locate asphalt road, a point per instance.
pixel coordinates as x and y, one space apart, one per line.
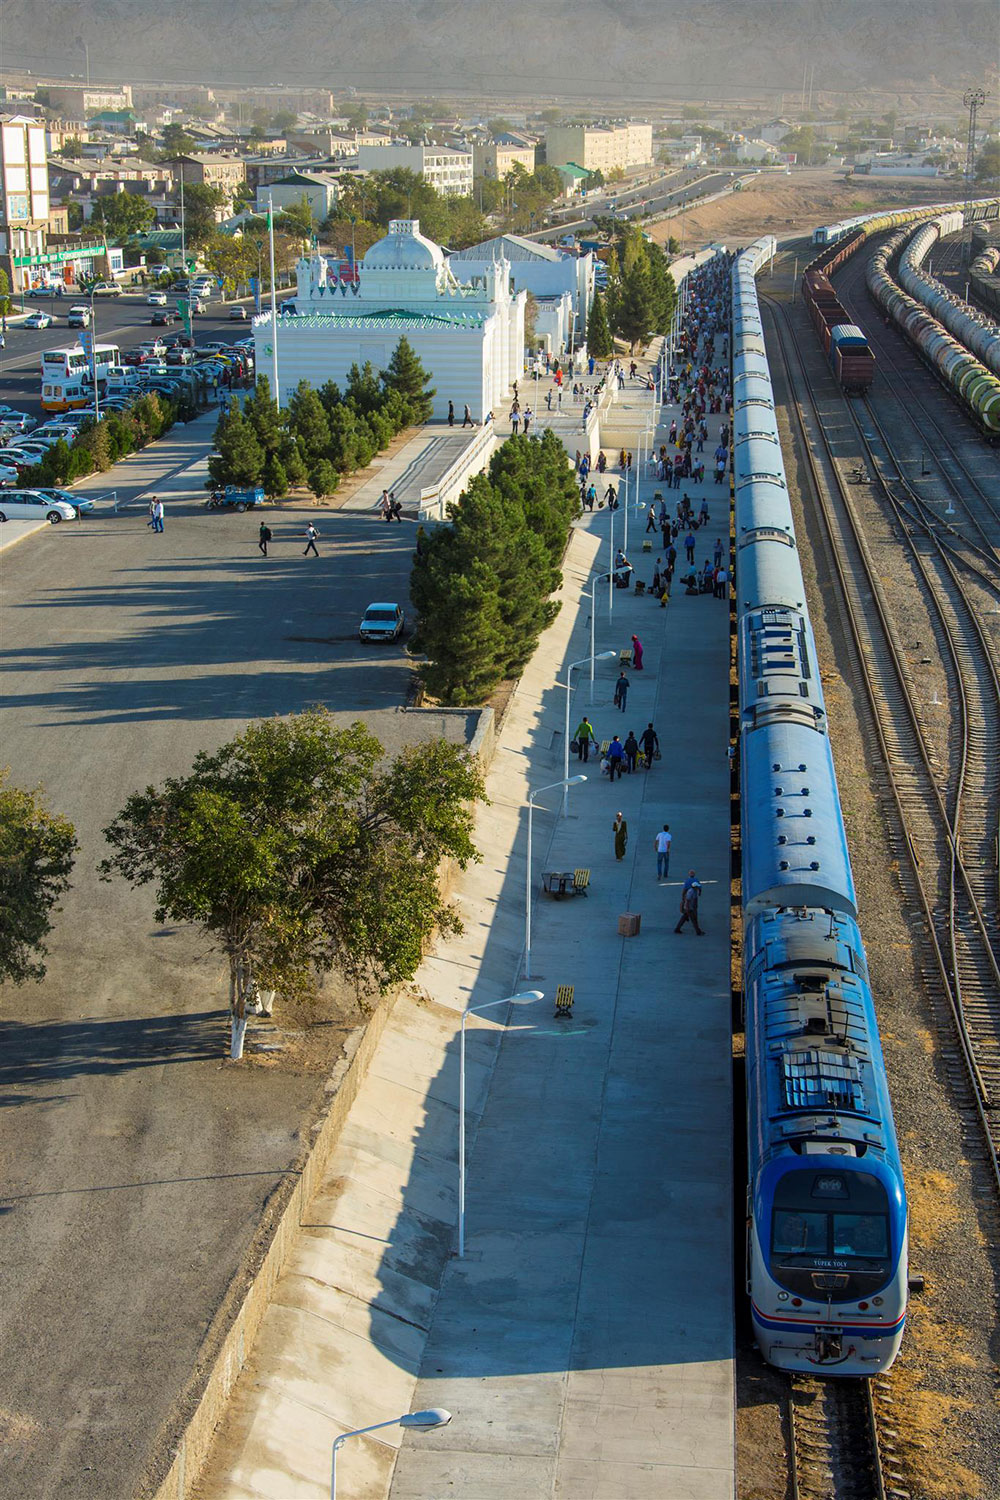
135 1163
124 321
641 202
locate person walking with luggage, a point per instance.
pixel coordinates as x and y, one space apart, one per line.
621 692
263 537
616 758
585 737
312 534
690 895
631 748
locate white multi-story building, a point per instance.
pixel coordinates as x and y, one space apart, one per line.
600 148
447 170
469 338
24 195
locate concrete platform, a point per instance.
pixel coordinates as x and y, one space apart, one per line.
584 1345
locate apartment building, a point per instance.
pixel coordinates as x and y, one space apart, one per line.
24 194
499 156
204 167
600 148
447 170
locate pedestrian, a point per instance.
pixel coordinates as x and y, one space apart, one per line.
385 506
616 757
621 691
467 418
690 894
689 548
515 417
528 416
651 519
721 589
263 537
662 841
157 514
150 523
585 737
631 748
620 828
650 744
548 399
312 534
451 413
717 554
637 653
395 508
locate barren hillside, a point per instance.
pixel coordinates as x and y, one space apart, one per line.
584 48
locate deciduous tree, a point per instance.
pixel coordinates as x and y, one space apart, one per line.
36 857
297 847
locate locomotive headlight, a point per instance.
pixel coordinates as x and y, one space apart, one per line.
876 1302
782 1296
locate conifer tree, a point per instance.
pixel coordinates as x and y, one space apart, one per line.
293 462
323 478
262 412
308 423
461 632
239 458
407 376
599 341
275 478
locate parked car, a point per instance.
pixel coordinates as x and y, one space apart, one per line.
154 346
382 622
163 318
238 313
32 505
80 503
17 421
47 289
107 289
178 356
156 299
234 498
78 316
38 320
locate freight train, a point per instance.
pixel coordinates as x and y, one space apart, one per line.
843 341
978 333
967 379
826 1204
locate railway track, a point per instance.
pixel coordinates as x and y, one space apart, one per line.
835 1447
947 817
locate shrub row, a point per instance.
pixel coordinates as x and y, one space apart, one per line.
100 444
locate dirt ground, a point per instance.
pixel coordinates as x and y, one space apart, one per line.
775 204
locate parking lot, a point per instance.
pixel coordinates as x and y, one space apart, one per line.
124 321
136 1162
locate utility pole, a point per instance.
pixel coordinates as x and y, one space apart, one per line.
973 99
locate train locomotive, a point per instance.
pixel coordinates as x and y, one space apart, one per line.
826 1204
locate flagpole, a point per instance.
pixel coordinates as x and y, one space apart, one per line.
274 304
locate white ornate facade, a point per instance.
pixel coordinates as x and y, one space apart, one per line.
469 337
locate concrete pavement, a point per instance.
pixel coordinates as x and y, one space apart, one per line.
584 1345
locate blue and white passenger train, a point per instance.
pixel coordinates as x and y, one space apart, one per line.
826 1206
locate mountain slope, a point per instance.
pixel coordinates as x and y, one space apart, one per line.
546 46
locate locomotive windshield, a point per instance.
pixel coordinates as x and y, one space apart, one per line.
830 1221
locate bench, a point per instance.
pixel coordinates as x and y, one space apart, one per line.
564 999
581 880
625 656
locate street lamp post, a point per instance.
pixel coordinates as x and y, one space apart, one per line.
528 997
573 781
274 304
568 685
611 565
593 603
436 1417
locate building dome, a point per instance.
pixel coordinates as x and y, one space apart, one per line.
404 248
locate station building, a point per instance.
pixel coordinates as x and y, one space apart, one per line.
468 335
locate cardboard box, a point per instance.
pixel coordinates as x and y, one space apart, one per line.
628 924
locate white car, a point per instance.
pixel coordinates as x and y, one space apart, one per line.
382 622
78 316
156 299
32 505
39 320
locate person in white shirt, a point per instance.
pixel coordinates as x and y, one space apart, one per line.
663 841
